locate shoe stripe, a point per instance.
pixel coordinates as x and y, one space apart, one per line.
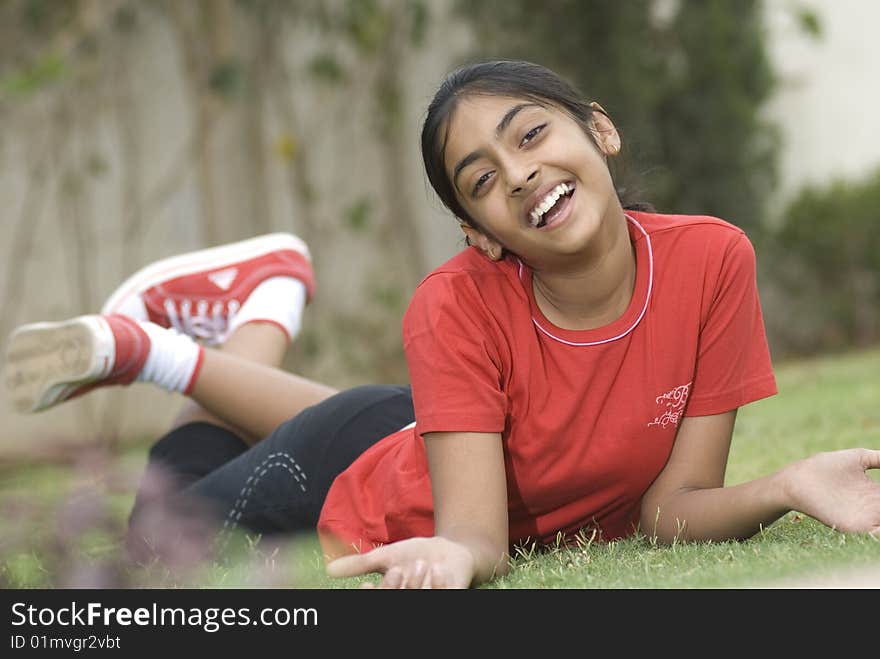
195 374
215 257
104 350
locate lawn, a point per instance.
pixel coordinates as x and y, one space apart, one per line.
61 524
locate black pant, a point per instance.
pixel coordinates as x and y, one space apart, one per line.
277 485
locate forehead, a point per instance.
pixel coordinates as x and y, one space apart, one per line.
474 121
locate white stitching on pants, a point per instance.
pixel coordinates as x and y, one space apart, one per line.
238 507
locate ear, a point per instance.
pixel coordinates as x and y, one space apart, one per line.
604 130
478 239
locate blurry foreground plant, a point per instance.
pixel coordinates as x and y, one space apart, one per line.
71 530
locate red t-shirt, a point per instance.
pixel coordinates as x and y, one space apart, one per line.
588 417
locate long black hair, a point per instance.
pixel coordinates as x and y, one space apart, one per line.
516 79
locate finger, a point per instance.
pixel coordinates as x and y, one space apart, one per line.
393 578
428 581
350 566
870 459
438 578
368 585
417 576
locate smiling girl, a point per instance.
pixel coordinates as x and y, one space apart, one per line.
579 366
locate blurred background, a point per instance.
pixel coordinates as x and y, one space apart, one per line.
137 129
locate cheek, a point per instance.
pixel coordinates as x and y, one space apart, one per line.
495 212
596 178
580 154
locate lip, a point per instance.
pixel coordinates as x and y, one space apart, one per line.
533 199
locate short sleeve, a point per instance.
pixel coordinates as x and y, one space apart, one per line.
733 360
453 356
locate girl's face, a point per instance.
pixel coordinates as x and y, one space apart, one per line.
530 176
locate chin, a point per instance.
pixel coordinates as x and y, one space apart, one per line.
579 233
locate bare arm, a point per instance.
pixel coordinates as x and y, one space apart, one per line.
469 486
688 499
470 541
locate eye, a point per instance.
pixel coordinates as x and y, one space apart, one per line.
480 182
532 134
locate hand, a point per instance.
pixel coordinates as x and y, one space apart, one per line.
834 489
414 563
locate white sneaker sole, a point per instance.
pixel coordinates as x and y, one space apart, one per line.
46 362
213 258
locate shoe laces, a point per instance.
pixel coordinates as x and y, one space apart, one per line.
202 320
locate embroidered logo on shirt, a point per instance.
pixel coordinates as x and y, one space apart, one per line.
673 403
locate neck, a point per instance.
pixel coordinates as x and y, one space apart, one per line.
598 289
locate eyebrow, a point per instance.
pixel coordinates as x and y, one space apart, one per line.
499 129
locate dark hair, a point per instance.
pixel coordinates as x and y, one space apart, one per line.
517 79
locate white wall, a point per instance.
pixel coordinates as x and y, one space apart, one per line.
829 93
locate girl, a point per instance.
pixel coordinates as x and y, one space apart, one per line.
578 366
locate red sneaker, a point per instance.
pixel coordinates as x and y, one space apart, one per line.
206 294
48 363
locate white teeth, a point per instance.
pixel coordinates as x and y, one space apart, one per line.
548 202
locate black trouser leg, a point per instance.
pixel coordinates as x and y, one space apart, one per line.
279 484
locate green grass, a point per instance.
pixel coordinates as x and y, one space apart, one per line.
824 404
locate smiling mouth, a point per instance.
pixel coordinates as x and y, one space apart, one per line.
551 205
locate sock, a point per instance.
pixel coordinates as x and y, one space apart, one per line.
278 300
173 361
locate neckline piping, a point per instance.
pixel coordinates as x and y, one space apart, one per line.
637 320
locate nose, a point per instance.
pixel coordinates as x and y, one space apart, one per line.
519 181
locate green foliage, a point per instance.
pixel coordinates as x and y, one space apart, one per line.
326 68
719 153
420 17
391 298
366 24
96 165
809 22
826 258
45 71
125 19
44 16
685 90
835 228
358 215
389 101
227 78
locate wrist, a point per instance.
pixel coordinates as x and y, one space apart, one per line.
785 484
487 562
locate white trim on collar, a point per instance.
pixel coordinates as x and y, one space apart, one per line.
641 314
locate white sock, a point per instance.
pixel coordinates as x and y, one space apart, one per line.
278 300
173 358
